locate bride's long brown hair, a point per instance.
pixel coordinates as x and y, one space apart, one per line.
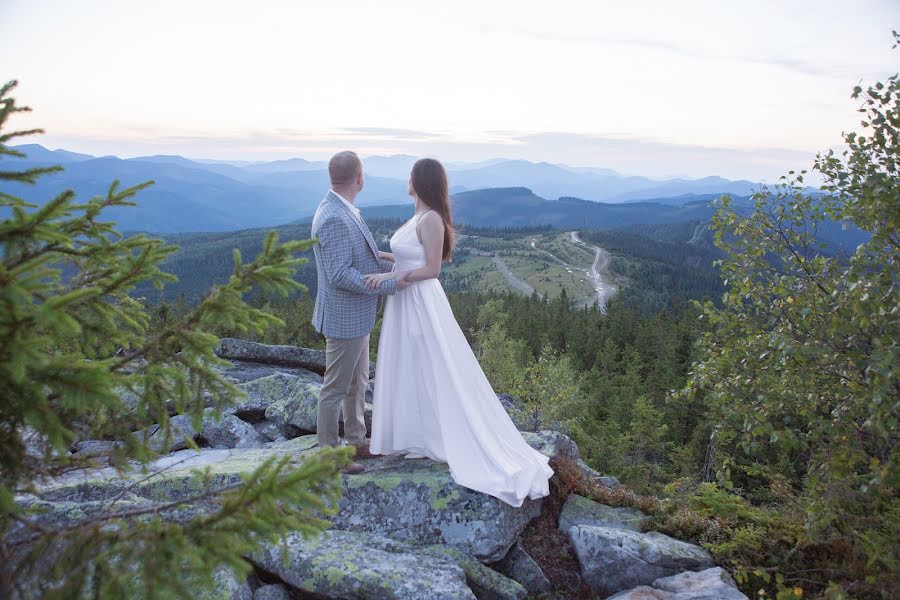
429 181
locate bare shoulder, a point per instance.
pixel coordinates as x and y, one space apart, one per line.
431 220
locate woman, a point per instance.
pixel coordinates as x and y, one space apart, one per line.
431 397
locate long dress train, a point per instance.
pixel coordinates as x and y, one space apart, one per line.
432 398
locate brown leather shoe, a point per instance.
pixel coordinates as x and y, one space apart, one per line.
363 452
354 468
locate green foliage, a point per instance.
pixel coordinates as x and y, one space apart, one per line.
73 344
502 359
799 367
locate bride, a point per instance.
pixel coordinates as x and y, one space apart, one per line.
431 397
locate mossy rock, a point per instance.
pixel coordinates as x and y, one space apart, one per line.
351 565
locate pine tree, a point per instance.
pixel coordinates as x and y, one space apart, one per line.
72 340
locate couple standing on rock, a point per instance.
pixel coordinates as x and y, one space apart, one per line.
431 400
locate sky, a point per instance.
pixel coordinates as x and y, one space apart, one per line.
656 88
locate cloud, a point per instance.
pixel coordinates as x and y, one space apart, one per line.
628 155
390 133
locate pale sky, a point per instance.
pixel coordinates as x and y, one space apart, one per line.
738 89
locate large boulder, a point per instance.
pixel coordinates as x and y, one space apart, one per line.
344 565
240 371
274 591
228 431
284 356
519 566
579 510
615 559
710 584
416 501
181 430
227 587
290 403
485 582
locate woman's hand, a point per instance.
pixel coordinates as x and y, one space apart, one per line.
385 255
374 280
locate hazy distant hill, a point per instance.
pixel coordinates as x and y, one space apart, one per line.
555 181
202 195
520 207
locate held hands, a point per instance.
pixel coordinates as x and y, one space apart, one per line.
374 280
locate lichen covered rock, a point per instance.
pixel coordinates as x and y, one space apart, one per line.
485 582
275 591
228 431
710 584
519 565
579 510
618 559
345 565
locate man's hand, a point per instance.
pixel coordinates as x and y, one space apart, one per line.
376 279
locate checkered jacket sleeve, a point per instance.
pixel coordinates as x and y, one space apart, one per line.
336 252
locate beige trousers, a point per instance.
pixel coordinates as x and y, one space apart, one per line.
346 379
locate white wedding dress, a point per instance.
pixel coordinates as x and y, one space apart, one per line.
432 398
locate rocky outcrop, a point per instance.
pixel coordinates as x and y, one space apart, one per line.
403 528
228 431
414 501
182 429
344 565
579 510
485 583
285 356
519 566
227 587
618 559
274 591
710 584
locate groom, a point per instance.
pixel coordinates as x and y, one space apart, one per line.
345 307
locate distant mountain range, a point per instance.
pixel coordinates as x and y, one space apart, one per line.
520 207
206 195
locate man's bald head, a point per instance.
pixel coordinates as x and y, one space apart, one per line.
344 168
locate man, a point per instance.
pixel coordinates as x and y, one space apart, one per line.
345 308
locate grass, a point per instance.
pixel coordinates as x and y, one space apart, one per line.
474 270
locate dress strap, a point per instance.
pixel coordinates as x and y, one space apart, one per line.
422 214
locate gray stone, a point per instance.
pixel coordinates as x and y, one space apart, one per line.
269 430
272 592
262 392
95 447
703 585
618 559
607 481
485 582
522 418
285 356
519 565
291 403
579 510
240 371
642 592
408 500
228 431
182 429
710 584
344 565
227 587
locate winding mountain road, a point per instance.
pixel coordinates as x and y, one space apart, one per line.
513 281
603 288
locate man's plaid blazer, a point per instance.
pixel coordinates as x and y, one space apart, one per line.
345 307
